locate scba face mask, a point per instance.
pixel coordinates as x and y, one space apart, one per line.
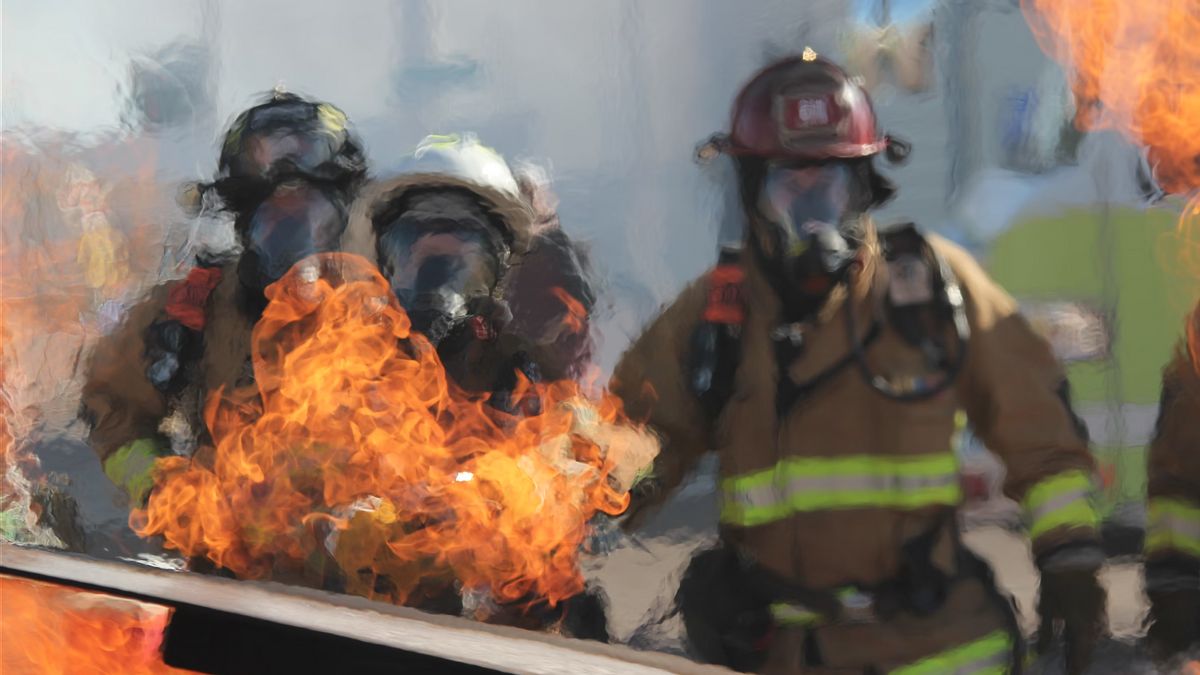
811 210
443 259
297 220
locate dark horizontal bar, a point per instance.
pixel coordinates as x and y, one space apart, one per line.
204 600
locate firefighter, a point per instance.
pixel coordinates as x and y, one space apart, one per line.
824 364
288 169
1172 544
480 265
475 256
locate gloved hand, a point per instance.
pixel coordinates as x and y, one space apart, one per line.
727 621
1175 618
1173 586
170 344
1071 603
131 468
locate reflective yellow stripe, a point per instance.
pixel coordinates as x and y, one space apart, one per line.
1173 525
451 141
1063 500
786 614
131 467
960 425
799 484
789 614
332 118
989 655
442 141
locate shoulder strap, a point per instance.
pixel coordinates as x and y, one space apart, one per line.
788 393
715 346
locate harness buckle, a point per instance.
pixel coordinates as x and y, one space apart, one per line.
792 332
857 607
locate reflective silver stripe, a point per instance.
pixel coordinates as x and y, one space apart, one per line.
1176 525
1058 502
771 494
881 483
762 496
802 484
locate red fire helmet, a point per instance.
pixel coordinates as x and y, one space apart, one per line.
802 108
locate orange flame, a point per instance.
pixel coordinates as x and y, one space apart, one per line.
1136 69
576 316
60 630
352 426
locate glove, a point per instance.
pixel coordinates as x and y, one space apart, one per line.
727 622
131 468
170 344
1175 617
1072 603
1173 586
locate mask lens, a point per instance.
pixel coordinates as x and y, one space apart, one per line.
295 222
793 196
442 242
441 262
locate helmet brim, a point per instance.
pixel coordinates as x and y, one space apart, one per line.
830 152
517 215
